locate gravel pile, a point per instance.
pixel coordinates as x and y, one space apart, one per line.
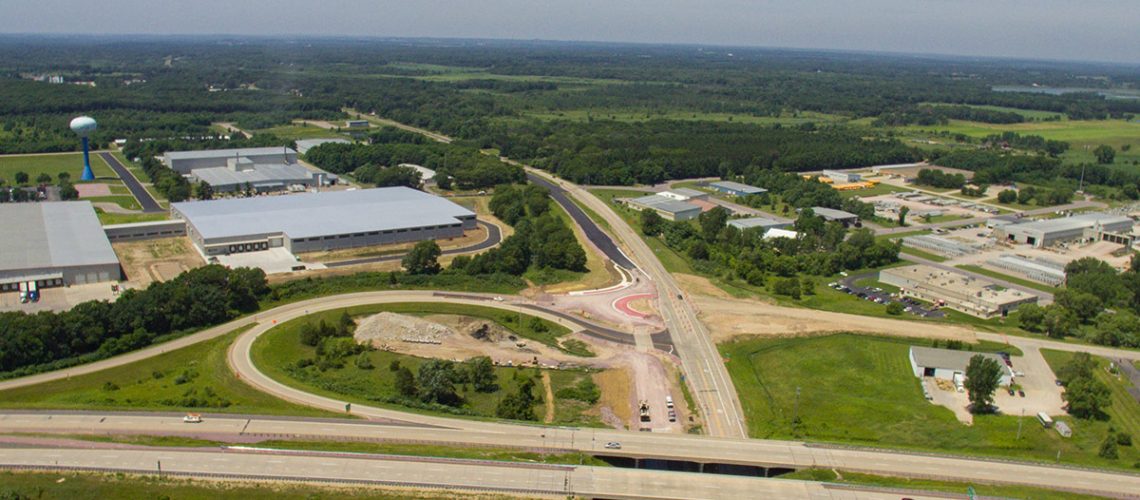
386 327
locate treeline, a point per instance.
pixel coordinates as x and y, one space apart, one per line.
611 152
1028 142
1060 181
941 115
820 249
1082 309
455 166
798 192
92 330
542 240
937 178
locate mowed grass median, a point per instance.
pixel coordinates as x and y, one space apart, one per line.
860 390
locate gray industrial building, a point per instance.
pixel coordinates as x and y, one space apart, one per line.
842 177
311 222
735 188
760 222
184 162
54 244
1088 227
667 207
951 365
240 173
833 215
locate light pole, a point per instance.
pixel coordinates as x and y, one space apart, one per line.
796 412
1019 423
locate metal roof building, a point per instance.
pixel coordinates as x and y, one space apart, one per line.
761 222
736 188
946 363
304 145
831 214
184 162
54 244
321 221
668 208
976 297
261 178
684 194
1047 232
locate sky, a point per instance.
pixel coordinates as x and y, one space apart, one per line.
1082 30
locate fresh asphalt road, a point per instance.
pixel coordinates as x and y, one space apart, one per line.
146 201
593 232
494 237
526 479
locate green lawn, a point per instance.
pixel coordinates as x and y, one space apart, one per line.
53 164
860 390
126 201
107 219
1012 279
1081 134
922 253
277 354
987 490
1124 414
192 378
878 190
78 486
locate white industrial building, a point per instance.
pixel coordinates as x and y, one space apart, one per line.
976 297
760 222
668 208
426 174
842 177
1088 227
242 173
310 222
947 364
184 162
684 194
304 145
54 244
1036 269
735 188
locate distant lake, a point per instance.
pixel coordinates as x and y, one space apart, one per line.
1107 93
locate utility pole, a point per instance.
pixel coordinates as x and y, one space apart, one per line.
1081 187
796 412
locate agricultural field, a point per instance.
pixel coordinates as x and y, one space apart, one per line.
634 115
860 390
53 164
281 355
1083 135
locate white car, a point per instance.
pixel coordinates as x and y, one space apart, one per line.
192 418
613 445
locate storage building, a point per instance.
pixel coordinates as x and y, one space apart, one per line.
761 222
684 194
669 209
735 188
184 162
1088 227
833 215
842 177
949 364
310 222
54 244
240 173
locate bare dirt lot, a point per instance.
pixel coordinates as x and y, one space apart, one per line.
148 261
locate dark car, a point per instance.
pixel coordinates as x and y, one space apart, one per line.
1011 391
1021 393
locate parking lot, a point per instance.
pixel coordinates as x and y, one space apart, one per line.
850 286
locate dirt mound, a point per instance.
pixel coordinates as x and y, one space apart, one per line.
385 328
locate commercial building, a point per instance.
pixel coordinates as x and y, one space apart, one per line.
1086 227
668 208
684 194
833 215
357 124
184 162
426 174
761 222
1036 269
242 173
150 230
841 177
947 364
780 233
310 222
54 244
957 291
735 188
304 145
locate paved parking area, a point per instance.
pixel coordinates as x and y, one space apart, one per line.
272 261
57 299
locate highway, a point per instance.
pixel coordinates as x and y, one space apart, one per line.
146 201
599 238
469 475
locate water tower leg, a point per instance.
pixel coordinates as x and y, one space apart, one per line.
88 174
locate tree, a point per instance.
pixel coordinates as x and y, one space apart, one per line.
1030 317
437 382
1087 397
21 178
481 373
204 191
43 178
67 191
423 259
63 176
405 382
902 215
1059 322
1105 155
712 222
895 308
652 224
1081 365
1108 448
983 375
518 405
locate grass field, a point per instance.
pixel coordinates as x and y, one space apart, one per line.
106 218
1081 134
174 381
986 490
1030 114
277 353
922 253
74 486
860 390
53 164
878 190
636 115
126 201
1012 279
295 131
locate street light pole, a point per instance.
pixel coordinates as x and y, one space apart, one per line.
796 412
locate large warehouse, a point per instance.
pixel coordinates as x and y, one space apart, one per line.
311 222
1044 233
54 244
955 290
242 173
184 162
667 207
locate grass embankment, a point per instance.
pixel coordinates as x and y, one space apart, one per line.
860 390
1123 414
53 164
987 490
195 378
73 486
108 219
278 352
673 262
1012 279
127 202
